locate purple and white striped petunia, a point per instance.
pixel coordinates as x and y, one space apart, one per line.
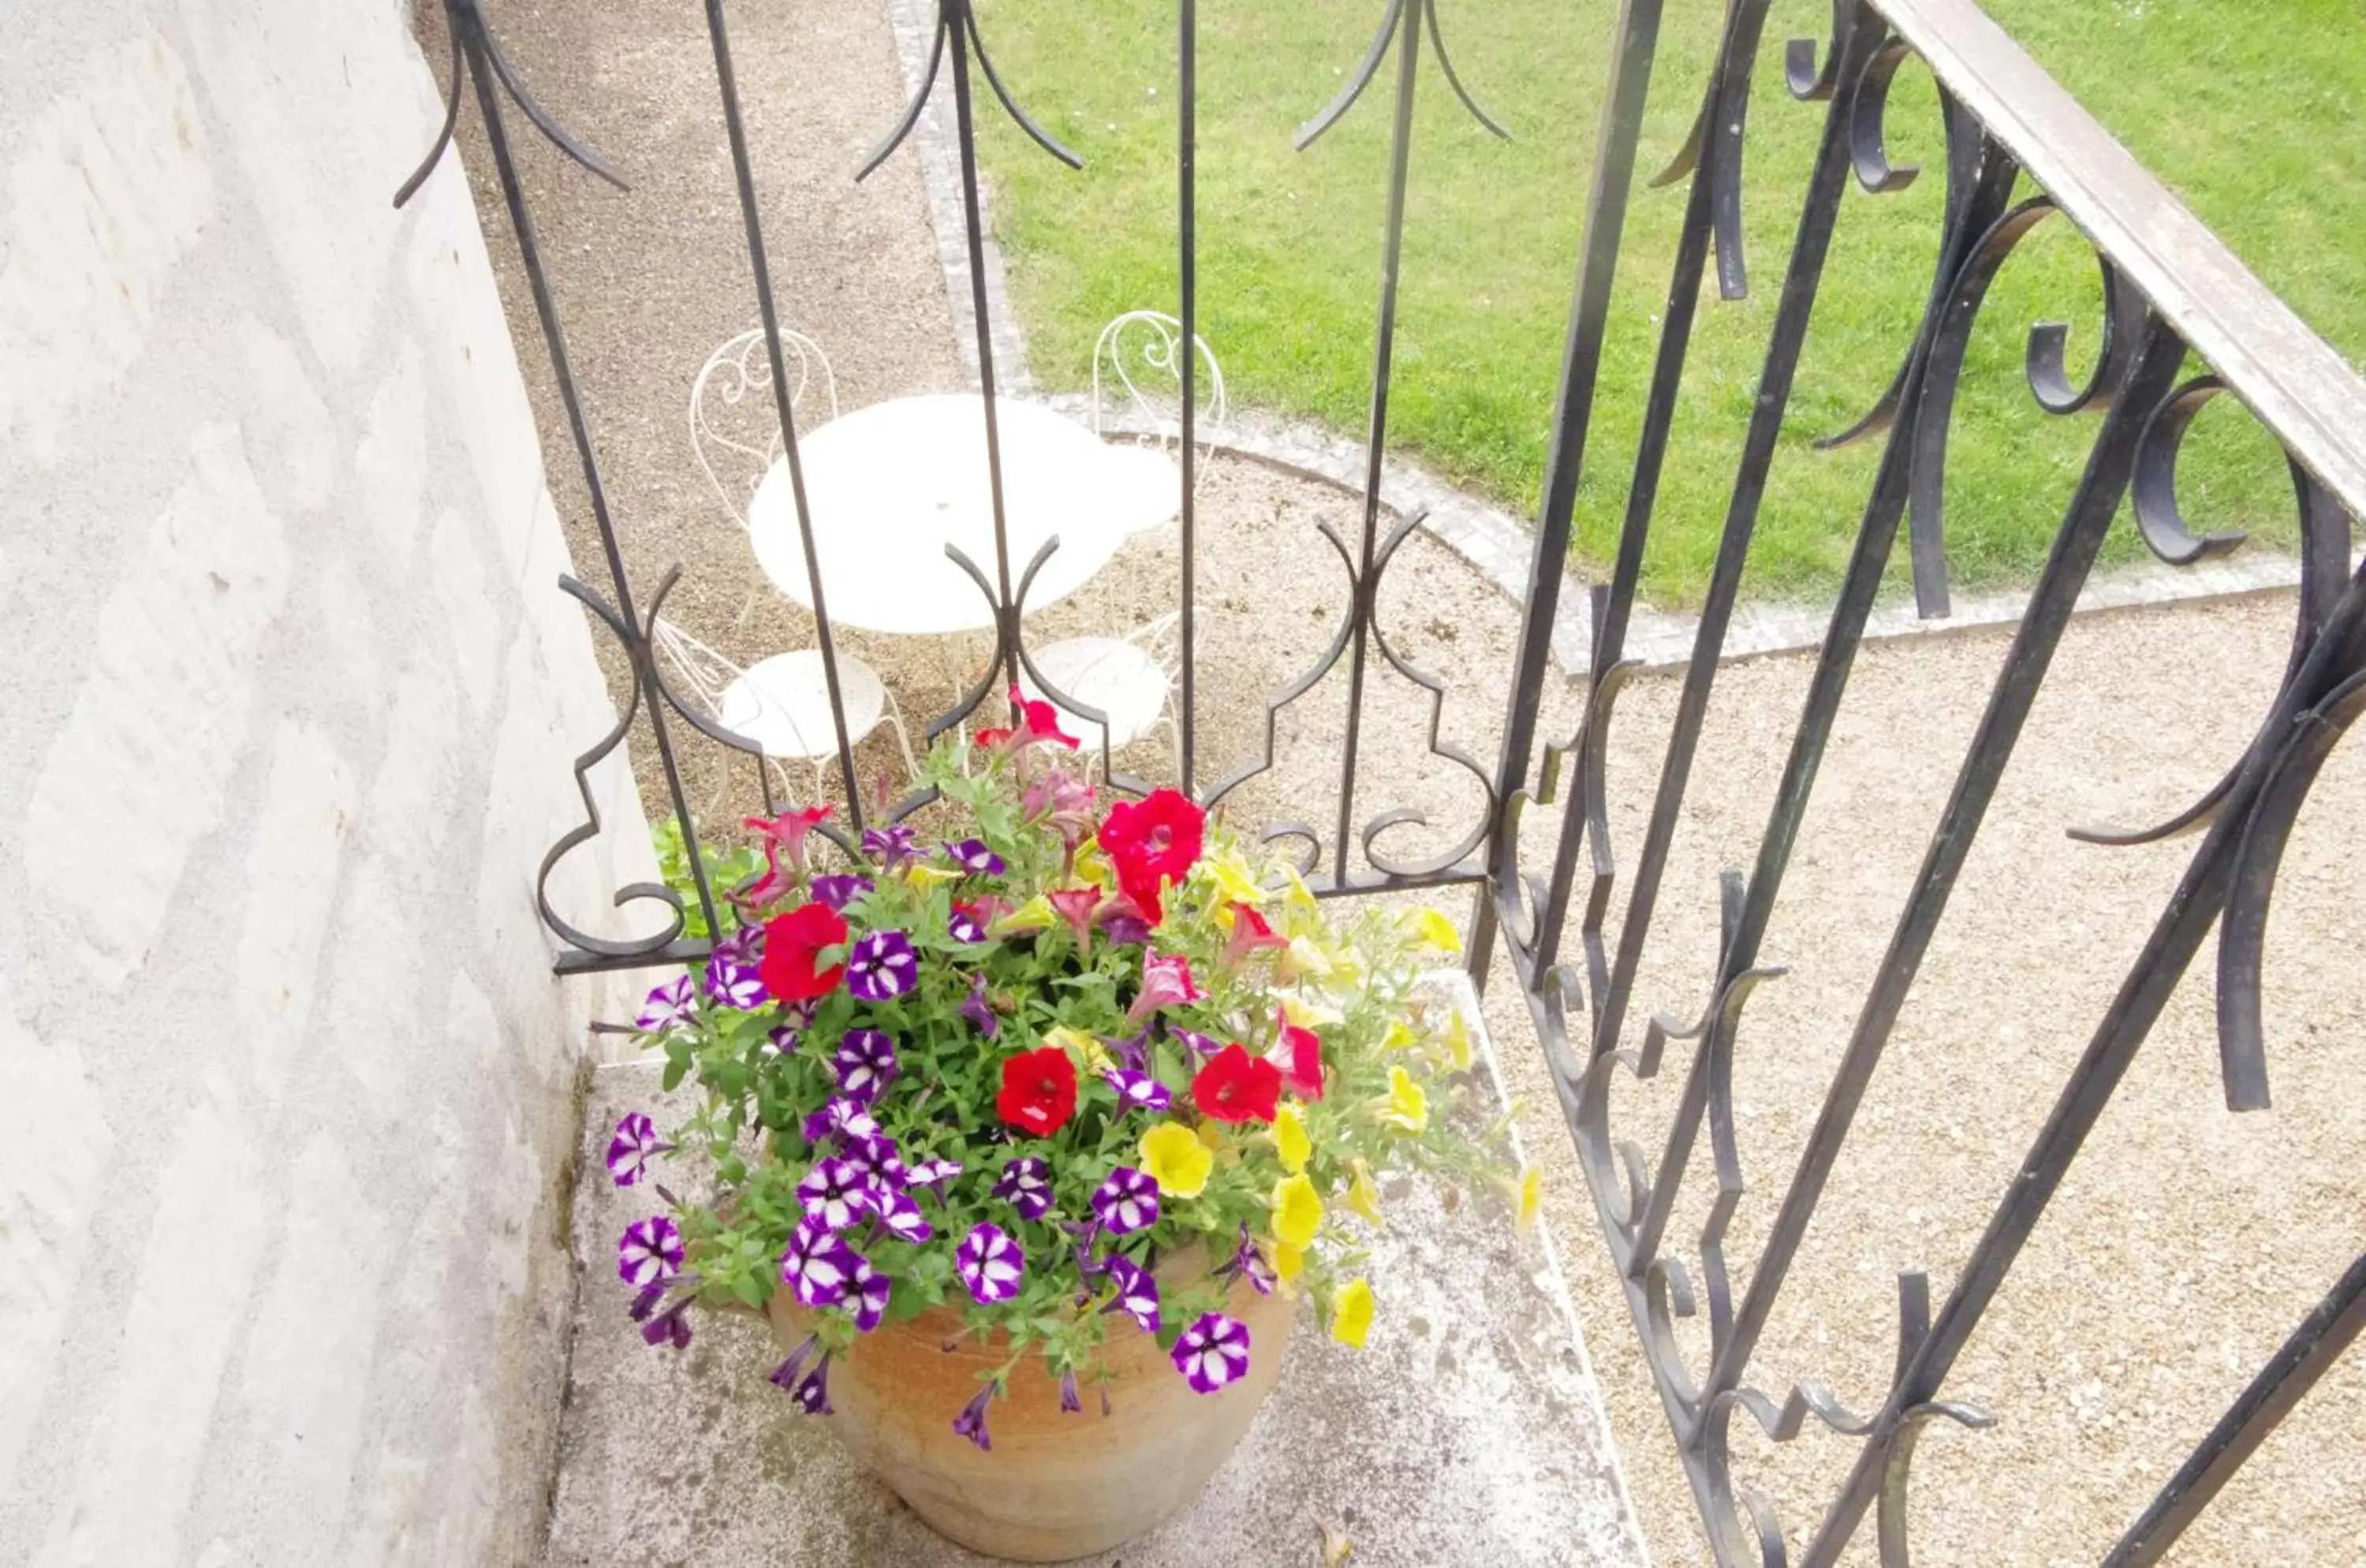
978 1011
973 856
875 1159
837 1192
889 846
745 945
840 1119
1137 1292
630 1151
1139 1089
1125 931
900 1216
670 1327
990 1264
786 1376
839 889
1248 1263
1127 1201
964 924
1069 1404
1131 1051
669 1006
880 966
930 1172
813 1395
736 985
971 1422
1028 1184
1212 1352
779 1040
817 1264
649 1251
868 1289
1198 1043
865 1060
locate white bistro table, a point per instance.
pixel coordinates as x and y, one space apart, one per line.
888 487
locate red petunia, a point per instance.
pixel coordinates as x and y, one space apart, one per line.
1236 1087
1250 932
781 835
793 946
1038 1090
1301 1059
1152 842
1031 722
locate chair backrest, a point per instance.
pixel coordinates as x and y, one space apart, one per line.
1138 382
735 430
695 665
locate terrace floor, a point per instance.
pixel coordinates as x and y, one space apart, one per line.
2189 1240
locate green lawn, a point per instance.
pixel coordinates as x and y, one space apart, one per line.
2249 108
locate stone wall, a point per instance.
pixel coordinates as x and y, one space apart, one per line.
290 1093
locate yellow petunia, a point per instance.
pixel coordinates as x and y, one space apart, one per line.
1532 1196
1230 877
1408 1106
1363 1196
1093 866
1351 1314
1297 1211
1032 915
1295 892
1176 1159
1079 1046
1289 1138
1458 1041
1302 960
1434 929
1400 1036
1311 1014
1288 1262
921 873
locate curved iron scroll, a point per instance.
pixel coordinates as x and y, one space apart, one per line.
1362 617
2324 531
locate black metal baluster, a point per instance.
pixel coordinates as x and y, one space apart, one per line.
467 24
2081 536
1589 320
1392 251
958 24
2311 1351
1187 46
751 219
1744 23
2176 936
1815 220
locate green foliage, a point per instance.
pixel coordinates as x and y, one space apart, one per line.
726 867
1354 982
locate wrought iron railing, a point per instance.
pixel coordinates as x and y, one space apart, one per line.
2173 294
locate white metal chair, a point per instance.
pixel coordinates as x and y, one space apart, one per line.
782 702
1139 358
1130 679
734 426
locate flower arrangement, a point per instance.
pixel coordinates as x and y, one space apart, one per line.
1014 1067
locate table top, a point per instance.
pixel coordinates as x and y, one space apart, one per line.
888 487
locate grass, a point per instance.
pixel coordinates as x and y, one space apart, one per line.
2232 104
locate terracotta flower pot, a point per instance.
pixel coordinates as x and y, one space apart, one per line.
1055 1486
